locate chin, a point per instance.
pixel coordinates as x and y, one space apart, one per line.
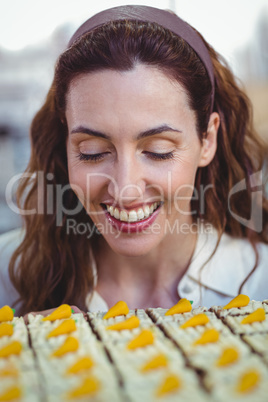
132 247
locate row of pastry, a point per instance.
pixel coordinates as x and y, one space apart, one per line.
191 354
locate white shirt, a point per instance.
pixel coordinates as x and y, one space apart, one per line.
214 284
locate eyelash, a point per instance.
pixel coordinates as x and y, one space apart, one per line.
91 157
160 157
100 156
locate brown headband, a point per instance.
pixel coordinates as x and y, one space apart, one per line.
150 14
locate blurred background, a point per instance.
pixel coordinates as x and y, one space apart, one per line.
33 34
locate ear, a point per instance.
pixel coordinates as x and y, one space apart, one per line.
209 141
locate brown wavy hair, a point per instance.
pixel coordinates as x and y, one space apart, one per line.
51 267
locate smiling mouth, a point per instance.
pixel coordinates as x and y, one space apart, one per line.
134 215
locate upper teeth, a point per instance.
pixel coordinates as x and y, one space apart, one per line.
133 215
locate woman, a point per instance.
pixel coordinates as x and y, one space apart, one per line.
142 173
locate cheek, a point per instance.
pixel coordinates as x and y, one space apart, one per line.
179 188
176 179
88 186
77 178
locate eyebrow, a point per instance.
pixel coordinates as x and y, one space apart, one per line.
144 134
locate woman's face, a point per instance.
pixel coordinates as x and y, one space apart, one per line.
133 152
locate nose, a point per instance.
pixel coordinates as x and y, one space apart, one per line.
128 184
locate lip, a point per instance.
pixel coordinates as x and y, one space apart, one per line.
132 227
129 208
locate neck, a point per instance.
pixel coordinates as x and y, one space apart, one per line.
150 280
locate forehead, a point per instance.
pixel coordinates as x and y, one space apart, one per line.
119 99
143 79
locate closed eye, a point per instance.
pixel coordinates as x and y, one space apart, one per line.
91 157
152 155
159 156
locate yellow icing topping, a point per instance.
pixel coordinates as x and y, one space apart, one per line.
145 337
6 314
13 348
88 387
11 394
209 336
248 381
183 306
158 361
170 384
71 344
129 323
238 301
6 329
9 371
257 316
63 311
120 308
66 327
199 319
82 364
228 356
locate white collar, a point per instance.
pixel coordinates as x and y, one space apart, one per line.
223 272
227 268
